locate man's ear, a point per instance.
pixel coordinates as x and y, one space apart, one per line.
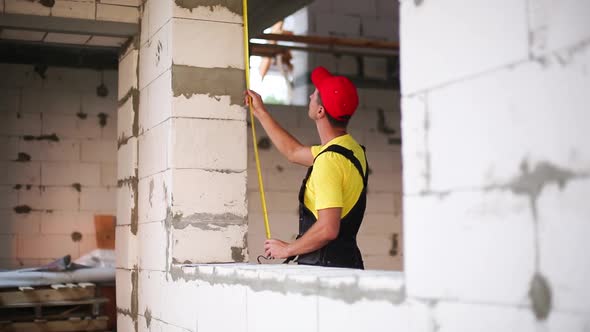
321 112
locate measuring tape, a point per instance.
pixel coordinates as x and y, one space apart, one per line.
254 139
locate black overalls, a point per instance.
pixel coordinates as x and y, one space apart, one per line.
342 251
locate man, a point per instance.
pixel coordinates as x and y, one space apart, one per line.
332 197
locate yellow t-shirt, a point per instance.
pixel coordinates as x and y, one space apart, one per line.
334 181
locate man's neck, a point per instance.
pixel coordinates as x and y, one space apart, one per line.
327 132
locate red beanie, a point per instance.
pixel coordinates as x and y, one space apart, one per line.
339 95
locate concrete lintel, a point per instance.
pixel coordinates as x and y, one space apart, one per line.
68 25
44 54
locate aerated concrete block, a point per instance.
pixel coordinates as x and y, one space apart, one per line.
209 242
69 173
153 246
127 73
46 246
210 315
59 222
103 199
19 173
126 121
155 196
26 124
8 197
156 55
63 150
60 198
8 244
509 99
127 160
20 223
479 42
223 140
126 206
25 7
127 247
220 38
557 26
74 9
462 238
209 192
158 14
72 126
453 316
154 148
104 151
156 102
415 150
563 228
229 12
153 299
116 13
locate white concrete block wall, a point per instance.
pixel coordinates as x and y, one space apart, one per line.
182 138
191 132
119 11
496 163
54 123
282 180
260 298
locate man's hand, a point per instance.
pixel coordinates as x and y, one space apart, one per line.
254 99
276 249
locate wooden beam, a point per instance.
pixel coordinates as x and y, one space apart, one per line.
16 298
271 50
98 324
332 41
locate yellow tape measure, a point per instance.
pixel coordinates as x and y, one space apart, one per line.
254 138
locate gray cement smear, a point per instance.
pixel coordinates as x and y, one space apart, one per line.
168 227
134 295
349 293
207 221
237 254
427 170
540 296
132 94
531 183
234 6
148 317
132 182
133 311
151 191
214 82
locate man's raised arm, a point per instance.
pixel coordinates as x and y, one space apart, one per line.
288 145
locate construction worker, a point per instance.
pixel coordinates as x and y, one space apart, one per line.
332 197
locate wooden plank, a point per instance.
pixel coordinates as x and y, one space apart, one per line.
41 295
98 324
96 300
332 41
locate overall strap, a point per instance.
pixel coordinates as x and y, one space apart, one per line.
348 154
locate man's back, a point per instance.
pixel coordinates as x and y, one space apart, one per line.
335 181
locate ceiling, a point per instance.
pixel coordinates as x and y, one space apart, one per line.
61 41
